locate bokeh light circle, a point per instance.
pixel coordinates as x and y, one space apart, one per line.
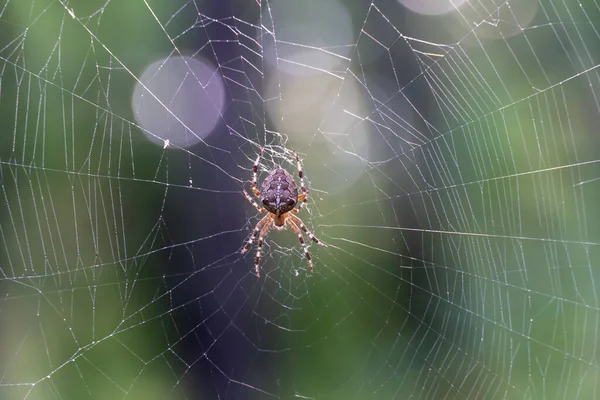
178 101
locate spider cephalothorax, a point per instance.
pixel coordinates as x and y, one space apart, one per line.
279 196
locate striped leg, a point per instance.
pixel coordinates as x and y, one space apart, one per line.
304 196
255 204
255 174
261 237
257 228
301 239
298 221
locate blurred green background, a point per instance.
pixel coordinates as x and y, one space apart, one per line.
452 162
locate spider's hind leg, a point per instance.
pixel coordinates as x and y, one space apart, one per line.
255 173
304 196
255 204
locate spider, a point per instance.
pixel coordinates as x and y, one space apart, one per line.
279 195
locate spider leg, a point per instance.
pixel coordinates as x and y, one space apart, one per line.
255 174
261 237
304 196
257 228
301 239
298 221
259 208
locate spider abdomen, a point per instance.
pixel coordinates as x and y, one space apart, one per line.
279 192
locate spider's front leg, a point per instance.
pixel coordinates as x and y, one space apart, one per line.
311 235
301 239
261 237
257 229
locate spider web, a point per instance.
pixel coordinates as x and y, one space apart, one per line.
451 156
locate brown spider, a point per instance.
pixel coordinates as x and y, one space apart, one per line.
279 195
